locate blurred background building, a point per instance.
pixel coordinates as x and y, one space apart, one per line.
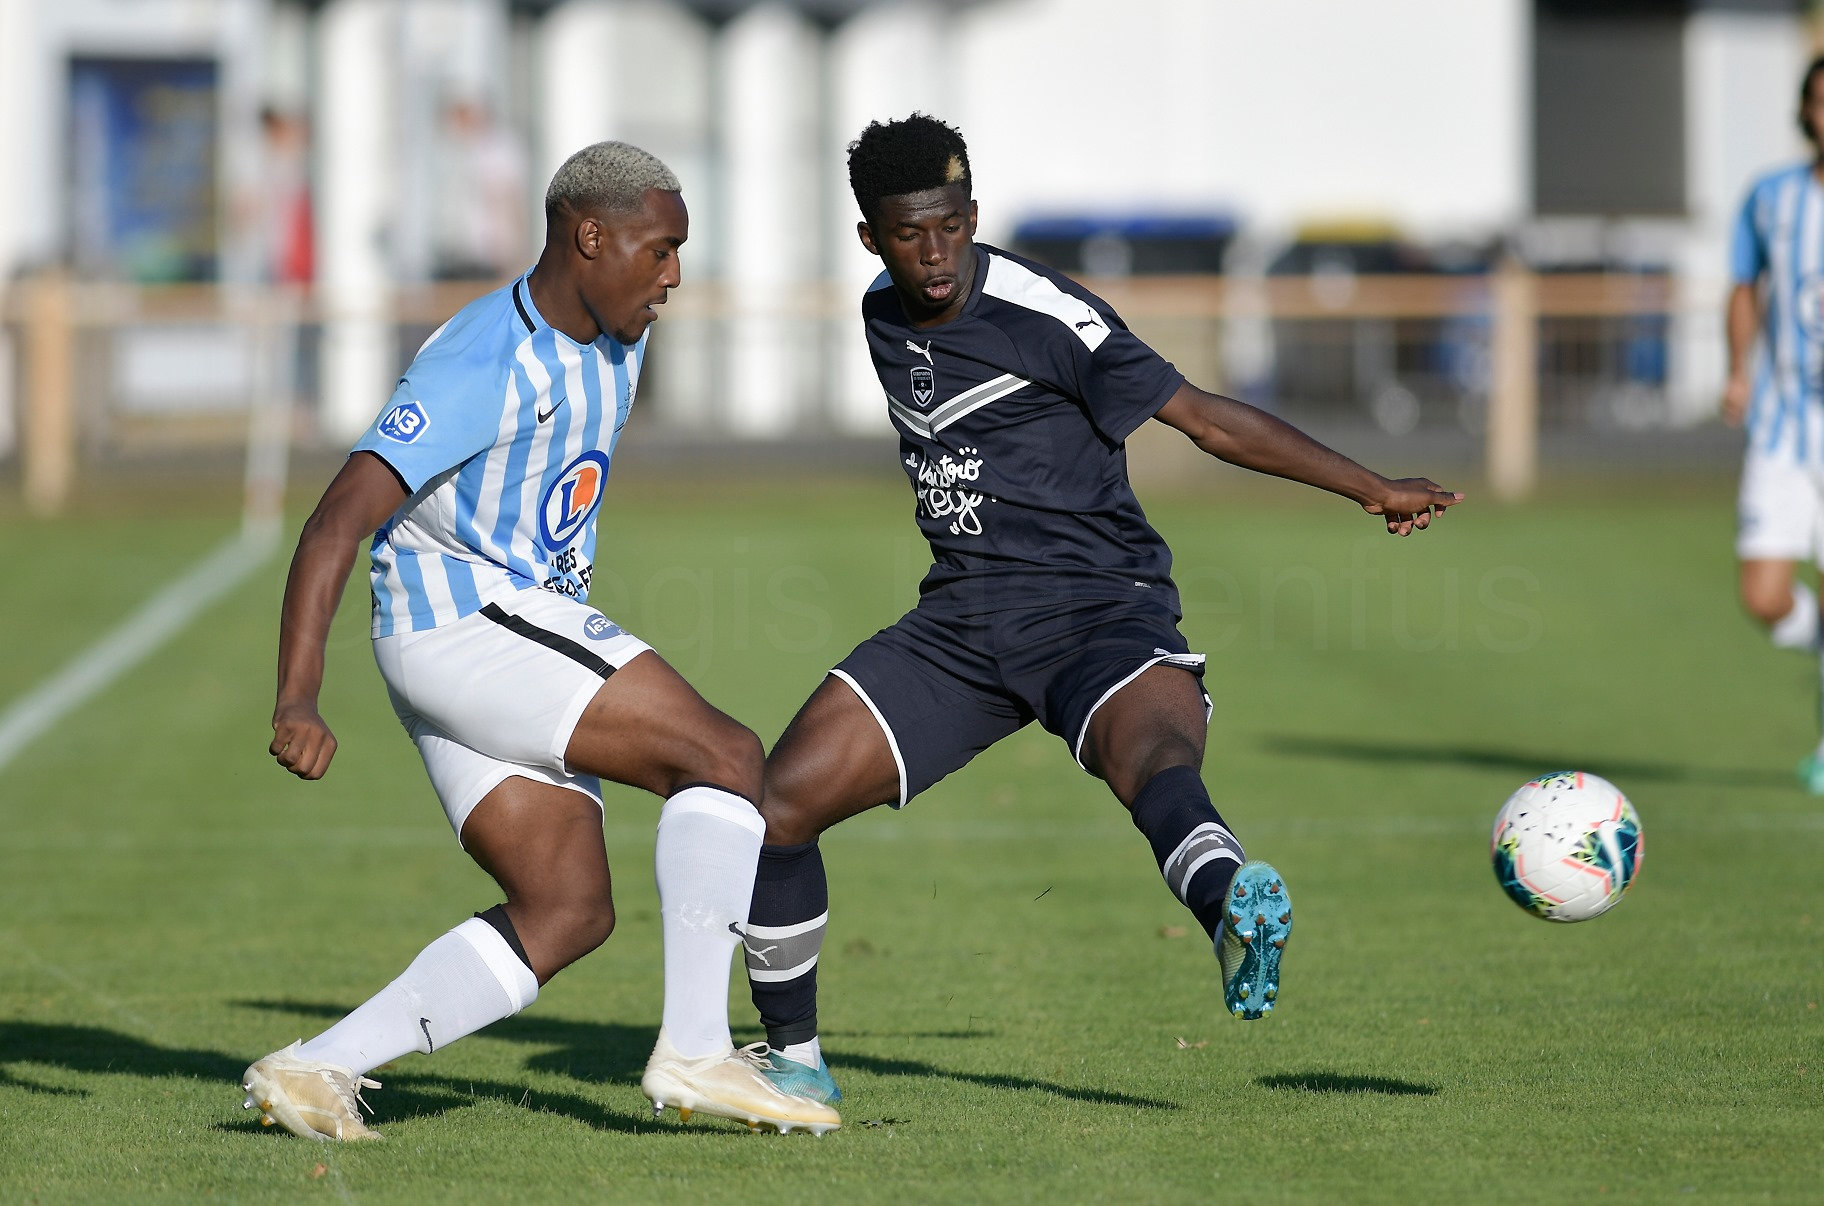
212 204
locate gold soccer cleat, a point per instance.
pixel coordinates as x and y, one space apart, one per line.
311 1100
729 1084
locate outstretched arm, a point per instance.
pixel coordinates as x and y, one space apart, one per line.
357 502
1253 439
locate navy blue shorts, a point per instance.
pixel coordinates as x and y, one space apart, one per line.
946 687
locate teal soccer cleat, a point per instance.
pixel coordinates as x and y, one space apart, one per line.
1811 774
1254 932
801 1080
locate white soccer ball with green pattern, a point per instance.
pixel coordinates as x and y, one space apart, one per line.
1567 846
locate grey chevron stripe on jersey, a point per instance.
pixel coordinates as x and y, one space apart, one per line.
965 403
1208 841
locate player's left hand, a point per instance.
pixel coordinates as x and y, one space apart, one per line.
1410 502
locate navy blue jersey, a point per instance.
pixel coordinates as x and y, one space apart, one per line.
1012 419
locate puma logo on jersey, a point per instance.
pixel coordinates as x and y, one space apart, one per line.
924 351
545 415
1091 321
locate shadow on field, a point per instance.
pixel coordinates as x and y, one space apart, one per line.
613 1053
1524 764
92 1049
1333 1082
912 1067
604 1053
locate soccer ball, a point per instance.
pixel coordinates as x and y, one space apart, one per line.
1566 846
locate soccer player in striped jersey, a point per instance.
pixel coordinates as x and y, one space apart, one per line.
1775 322
1050 597
478 489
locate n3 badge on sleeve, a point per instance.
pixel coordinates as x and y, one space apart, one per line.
404 422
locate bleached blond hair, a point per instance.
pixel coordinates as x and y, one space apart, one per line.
607 178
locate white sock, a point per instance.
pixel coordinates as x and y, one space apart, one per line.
708 850
809 1054
465 980
1798 629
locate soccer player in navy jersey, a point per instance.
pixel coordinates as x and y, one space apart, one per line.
1776 389
1050 597
477 491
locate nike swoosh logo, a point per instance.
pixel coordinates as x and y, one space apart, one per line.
544 415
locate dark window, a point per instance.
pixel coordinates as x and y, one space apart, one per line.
1608 110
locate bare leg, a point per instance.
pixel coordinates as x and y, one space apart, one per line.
1766 589
543 846
1147 742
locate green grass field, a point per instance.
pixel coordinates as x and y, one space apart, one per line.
1011 1001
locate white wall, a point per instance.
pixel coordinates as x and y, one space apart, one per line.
18 69
904 31
1742 73
1410 110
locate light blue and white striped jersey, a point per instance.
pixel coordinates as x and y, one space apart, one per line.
1779 236
501 431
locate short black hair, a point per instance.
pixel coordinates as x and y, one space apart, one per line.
1811 73
910 155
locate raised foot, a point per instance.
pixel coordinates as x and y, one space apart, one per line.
1250 957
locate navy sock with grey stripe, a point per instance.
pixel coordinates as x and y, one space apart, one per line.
784 936
1196 852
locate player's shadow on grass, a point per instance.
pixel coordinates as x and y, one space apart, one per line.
1522 763
93 1050
613 1053
993 1080
601 1053
1333 1082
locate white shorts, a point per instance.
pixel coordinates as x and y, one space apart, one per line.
1780 510
499 692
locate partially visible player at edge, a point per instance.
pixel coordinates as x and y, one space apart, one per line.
478 486
1777 261
1050 598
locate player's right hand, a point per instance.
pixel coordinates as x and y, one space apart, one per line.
1408 504
301 742
1735 400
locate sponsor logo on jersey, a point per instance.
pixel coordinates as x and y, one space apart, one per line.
600 628
572 499
924 385
404 422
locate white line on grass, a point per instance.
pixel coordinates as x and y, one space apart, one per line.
164 615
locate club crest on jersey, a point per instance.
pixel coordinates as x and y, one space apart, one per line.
404 422
572 499
924 385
